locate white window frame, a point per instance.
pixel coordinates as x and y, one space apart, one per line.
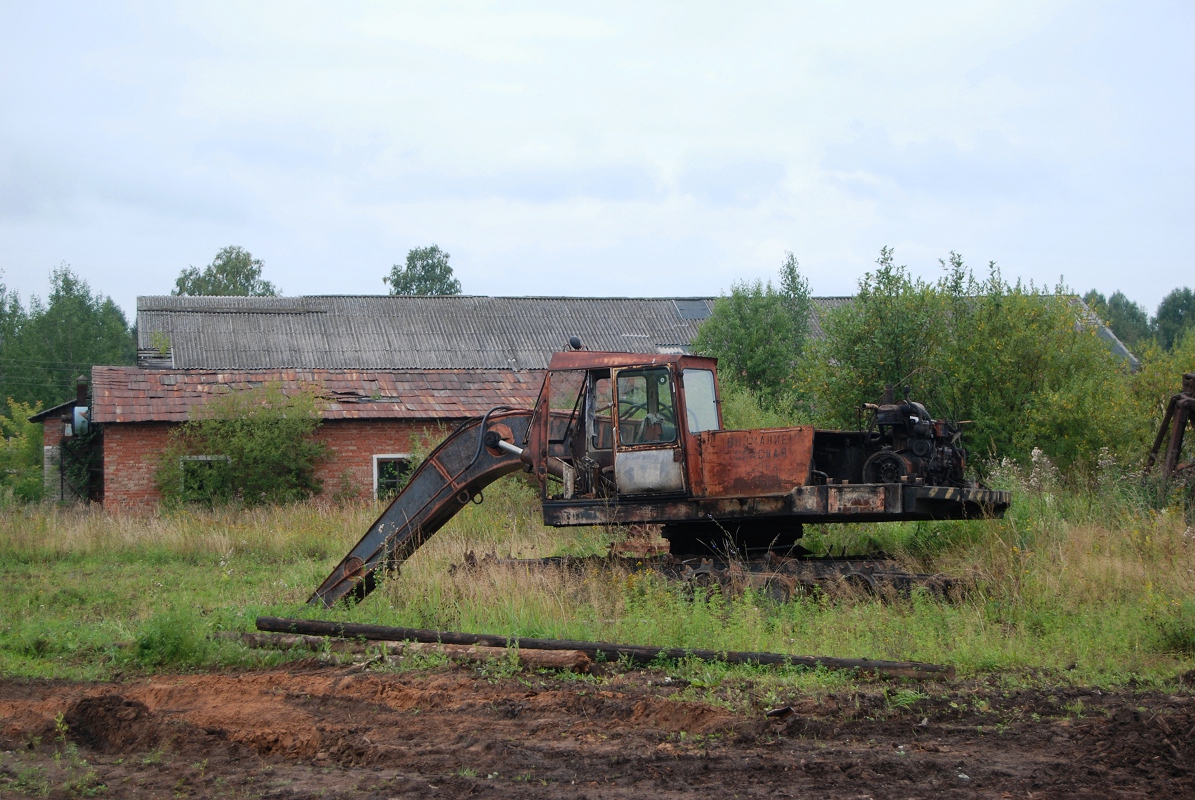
183 459
386 457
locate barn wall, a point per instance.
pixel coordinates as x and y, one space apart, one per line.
353 444
132 450
131 453
52 430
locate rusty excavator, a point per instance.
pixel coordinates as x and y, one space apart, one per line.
625 439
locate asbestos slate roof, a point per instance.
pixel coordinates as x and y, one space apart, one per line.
134 394
460 332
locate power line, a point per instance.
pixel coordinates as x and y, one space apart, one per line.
50 361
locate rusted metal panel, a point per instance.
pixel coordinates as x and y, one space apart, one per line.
854 499
809 500
770 461
608 511
806 504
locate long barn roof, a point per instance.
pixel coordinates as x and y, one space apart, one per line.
381 332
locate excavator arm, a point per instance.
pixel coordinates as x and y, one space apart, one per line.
472 457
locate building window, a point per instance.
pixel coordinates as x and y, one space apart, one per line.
204 476
391 471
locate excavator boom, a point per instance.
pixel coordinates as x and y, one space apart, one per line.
450 477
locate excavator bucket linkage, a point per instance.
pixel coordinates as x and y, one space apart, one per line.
450 477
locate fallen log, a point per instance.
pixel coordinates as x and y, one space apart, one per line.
604 650
573 660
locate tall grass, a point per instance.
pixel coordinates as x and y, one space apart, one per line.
1087 584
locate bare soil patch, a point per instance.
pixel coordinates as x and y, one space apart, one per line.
318 731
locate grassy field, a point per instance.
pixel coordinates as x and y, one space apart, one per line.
1087 587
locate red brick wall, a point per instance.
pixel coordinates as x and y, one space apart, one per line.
352 444
131 452
52 430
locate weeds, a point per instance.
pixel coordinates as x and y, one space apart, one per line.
1074 585
32 780
904 698
174 636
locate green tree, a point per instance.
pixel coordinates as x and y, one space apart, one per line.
52 343
252 446
426 272
20 454
1096 301
758 332
1176 314
1015 360
1128 320
12 315
1157 380
234 272
12 318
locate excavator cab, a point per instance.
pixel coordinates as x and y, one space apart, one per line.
621 427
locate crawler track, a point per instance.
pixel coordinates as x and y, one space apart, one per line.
779 577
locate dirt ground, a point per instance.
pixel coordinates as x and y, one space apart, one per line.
336 732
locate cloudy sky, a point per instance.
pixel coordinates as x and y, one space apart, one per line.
598 149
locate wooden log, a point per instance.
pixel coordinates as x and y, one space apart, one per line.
573 660
605 650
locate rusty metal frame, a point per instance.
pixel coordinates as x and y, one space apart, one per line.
1179 413
876 502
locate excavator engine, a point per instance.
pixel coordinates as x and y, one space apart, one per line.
906 444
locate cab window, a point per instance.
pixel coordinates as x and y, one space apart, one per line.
646 408
701 403
601 434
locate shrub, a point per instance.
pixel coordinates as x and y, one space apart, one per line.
252 446
175 637
1152 386
1176 629
20 453
1025 365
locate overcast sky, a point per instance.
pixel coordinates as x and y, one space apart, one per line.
597 148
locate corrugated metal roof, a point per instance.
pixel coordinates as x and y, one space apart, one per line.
133 394
382 332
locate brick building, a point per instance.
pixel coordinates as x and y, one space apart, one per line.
371 420
390 370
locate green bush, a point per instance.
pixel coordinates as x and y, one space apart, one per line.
1152 386
1176 629
1026 366
20 454
253 446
